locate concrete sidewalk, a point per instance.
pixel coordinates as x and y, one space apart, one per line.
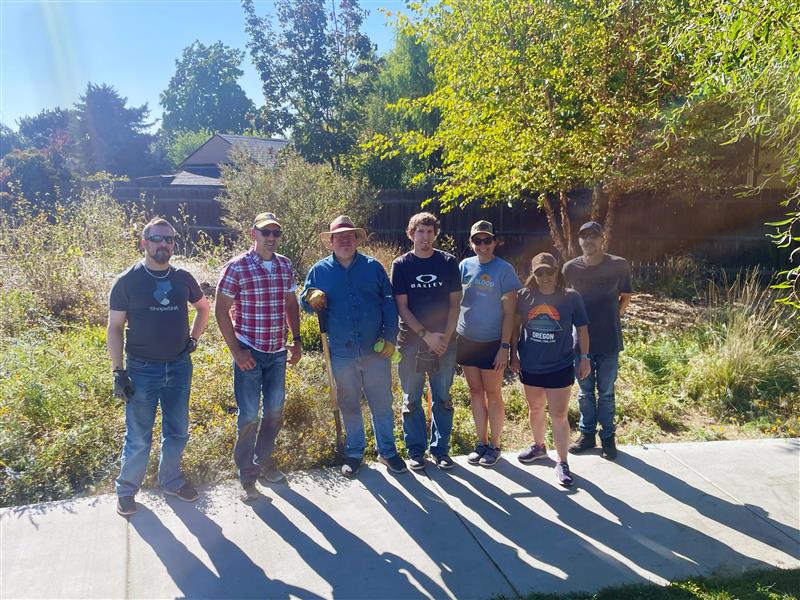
658 513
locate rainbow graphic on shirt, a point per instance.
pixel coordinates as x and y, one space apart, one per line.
543 323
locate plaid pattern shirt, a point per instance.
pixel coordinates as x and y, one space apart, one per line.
259 299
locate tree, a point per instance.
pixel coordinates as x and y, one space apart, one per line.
41 177
43 129
184 143
315 72
537 98
404 72
746 54
9 140
306 196
110 136
204 93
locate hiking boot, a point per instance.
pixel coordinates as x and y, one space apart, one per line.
563 475
417 463
187 493
490 457
251 493
351 466
271 473
444 462
395 464
584 442
609 447
535 452
126 506
475 456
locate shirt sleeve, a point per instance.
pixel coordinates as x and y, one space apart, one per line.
579 316
118 300
509 281
195 293
625 283
229 281
293 284
455 274
389 307
399 283
311 281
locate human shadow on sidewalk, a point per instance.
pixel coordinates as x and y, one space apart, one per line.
238 576
541 555
660 545
354 569
718 509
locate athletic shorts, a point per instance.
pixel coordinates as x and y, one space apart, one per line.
556 379
470 353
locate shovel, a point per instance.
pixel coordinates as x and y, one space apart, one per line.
326 351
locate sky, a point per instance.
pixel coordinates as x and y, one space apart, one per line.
50 49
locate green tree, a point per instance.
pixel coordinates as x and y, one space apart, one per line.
204 93
747 55
111 136
9 140
315 72
40 177
45 128
306 197
183 143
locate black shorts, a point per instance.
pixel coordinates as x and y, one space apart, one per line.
554 380
470 353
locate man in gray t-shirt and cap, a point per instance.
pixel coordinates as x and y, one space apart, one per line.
604 281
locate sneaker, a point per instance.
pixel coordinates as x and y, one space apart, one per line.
251 493
126 506
394 464
490 457
271 473
535 452
562 474
584 442
475 456
187 493
445 462
351 466
417 463
609 447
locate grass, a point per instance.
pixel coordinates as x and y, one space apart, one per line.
773 584
722 368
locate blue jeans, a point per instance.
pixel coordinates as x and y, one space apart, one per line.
413 384
255 437
371 374
604 376
155 382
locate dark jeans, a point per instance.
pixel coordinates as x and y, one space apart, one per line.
413 384
255 437
168 384
600 407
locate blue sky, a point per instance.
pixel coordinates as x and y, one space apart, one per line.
49 50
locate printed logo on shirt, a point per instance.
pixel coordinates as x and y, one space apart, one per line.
427 281
543 323
161 293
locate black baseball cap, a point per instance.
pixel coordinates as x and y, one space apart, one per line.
590 226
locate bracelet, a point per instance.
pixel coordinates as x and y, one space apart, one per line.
582 356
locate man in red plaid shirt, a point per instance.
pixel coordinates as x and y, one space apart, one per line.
255 302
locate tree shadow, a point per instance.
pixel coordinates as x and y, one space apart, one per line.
353 569
239 576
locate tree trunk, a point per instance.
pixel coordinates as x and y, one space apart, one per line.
558 238
566 225
608 226
597 196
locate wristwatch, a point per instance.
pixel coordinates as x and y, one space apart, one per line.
422 333
506 345
582 356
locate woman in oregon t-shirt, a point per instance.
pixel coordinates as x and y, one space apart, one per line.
544 355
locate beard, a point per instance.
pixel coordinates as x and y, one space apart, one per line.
161 256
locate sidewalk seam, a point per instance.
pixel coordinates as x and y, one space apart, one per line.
127 559
724 491
466 526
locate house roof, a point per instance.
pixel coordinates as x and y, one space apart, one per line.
203 175
217 150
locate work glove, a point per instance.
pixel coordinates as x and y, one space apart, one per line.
123 386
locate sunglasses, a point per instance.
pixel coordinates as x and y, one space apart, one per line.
590 236
543 272
157 239
270 232
480 241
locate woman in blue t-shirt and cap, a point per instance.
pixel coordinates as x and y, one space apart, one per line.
485 326
544 355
